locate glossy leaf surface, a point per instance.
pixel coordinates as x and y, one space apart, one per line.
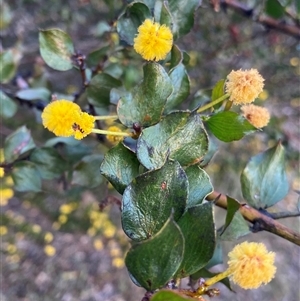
198 228
56 49
229 126
199 185
152 263
120 166
18 143
151 197
179 136
145 104
264 180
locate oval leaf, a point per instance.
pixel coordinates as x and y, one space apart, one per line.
98 90
34 94
199 185
8 66
182 15
229 126
48 162
179 136
237 228
198 228
17 144
146 103
264 181
86 172
154 262
56 49
181 87
131 19
26 177
8 107
151 197
120 166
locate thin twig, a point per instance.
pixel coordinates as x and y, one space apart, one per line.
259 219
292 30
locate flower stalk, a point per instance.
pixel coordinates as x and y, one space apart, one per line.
213 103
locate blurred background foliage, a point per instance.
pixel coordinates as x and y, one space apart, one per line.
56 244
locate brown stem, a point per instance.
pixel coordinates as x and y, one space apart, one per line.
255 217
292 30
278 215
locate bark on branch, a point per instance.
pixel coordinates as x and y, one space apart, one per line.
259 219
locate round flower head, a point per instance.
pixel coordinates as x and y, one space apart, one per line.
83 126
112 138
251 265
154 41
244 86
59 117
257 116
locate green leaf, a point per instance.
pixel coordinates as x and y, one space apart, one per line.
198 228
183 15
18 143
98 90
217 257
264 180
162 14
26 177
181 87
56 49
62 140
232 207
48 162
34 94
128 22
86 172
229 126
97 55
120 166
237 228
199 185
297 5
176 56
153 262
167 295
146 103
6 15
8 66
8 107
151 197
217 92
179 136
274 9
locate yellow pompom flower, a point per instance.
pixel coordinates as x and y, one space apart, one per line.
257 116
153 41
65 118
251 265
112 138
244 86
59 117
83 126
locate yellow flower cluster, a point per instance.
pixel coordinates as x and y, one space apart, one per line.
251 265
65 118
244 86
153 41
257 116
112 138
